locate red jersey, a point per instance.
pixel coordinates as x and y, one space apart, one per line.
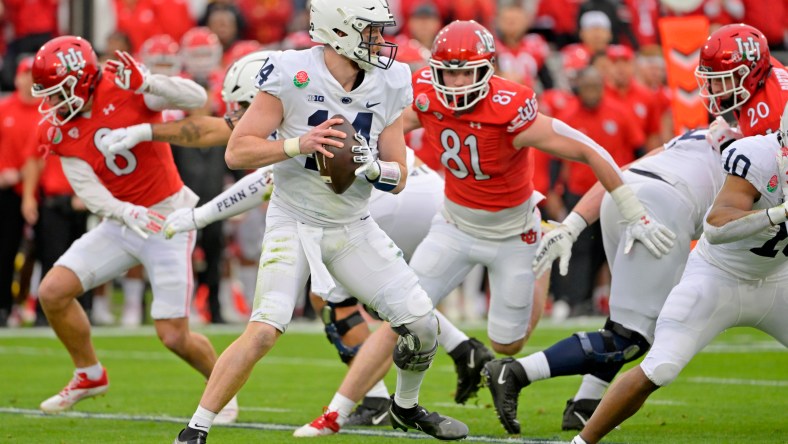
17 133
144 175
553 101
611 126
761 114
32 16
642 103
485 170
143 19
524 60
53 180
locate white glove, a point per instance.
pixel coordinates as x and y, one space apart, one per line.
721 134
557 243
180 220
363 155
657 238
123 139
143 221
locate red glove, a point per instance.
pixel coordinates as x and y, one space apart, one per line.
129 74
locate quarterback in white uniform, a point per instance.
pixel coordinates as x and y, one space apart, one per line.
736 276
677 184
311 230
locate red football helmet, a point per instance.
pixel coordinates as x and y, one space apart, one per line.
460 46
160 54
201 52
736 58
65 72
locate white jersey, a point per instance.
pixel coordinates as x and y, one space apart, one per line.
763 255
310 95
692 166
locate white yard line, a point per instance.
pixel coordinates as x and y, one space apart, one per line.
260 426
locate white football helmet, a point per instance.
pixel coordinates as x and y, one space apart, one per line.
784 127
350 18
238 89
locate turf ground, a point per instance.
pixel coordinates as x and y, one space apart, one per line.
734 392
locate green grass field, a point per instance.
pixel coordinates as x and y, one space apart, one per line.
734 392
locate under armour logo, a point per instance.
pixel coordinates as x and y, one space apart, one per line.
475 125
645 220
108 109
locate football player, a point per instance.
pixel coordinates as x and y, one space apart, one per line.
735 276
676 183
310 229
736 72
132 190
482 126
405 217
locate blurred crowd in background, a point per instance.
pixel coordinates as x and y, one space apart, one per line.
596 64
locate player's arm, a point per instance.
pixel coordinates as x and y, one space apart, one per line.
390 172
31 173
249 146
411 120
100 201
249 192
732 218
195 131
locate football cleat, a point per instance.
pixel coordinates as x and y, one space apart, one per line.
469 359
191 436
229 413
325 424
505 378
79 388
438 426
371 412
577 413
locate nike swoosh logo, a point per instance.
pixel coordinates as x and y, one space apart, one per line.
500 377
580 417
370 105
471 364
378 419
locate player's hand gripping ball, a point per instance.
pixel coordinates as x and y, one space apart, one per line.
338 172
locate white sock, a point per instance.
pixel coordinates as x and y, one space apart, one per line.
133 290
578 440
536 366
408 385
591 388
378 391
93 372
341 405
449 336
202 419
248 277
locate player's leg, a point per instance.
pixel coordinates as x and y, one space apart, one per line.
640 283
283 273
96 257
441 262
701 306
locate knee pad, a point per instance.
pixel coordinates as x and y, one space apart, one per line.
336 329
417 344
619 344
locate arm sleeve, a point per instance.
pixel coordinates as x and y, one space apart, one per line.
88 187
744 227
244 195
166 92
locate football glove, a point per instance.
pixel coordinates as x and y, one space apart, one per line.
143 221
657 238
180 220
124 139
557 244
721 134
129 74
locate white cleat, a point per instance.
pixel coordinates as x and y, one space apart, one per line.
325 424
79 388
229 413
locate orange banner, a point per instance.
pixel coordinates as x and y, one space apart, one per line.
682 38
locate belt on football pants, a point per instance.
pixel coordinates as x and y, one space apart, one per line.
648 174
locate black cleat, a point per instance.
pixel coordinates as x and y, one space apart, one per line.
505 378
469 359
191 436
371 412
577 413
441 427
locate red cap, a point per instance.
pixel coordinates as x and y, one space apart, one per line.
616 52
25 65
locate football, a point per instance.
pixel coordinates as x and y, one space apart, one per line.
338 172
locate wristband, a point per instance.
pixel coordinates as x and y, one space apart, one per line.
628 204
389 177
777 215
293 147
575 224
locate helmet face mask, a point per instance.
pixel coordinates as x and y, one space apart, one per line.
734 63
354 30
459 47
65 72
